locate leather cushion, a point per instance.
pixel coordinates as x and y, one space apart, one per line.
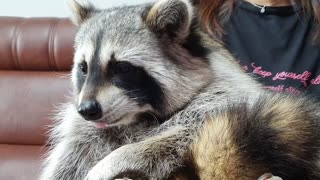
19 162
28 100
36 44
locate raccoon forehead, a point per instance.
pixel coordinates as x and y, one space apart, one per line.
136 48
141 54
116 23
125 41
84 52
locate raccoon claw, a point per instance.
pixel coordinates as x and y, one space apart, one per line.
269 176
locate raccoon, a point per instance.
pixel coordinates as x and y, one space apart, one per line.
157 98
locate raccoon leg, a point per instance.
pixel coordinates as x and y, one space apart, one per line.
156 156
68 160
72 158
57 162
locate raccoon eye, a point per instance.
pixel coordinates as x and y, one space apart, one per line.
122 68
84 68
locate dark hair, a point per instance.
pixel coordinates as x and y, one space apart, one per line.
213 13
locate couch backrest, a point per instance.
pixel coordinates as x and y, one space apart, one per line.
35 59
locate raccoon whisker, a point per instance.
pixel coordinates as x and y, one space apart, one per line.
115 120
138 99
135 90
153 115
113 112
112 115
116 103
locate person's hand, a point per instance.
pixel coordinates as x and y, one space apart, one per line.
269 176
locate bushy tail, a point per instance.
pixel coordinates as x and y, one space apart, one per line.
277 134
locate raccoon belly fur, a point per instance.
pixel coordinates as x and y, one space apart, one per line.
278 134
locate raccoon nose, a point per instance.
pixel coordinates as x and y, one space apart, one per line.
90 110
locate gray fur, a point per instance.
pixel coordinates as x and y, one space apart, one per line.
197 85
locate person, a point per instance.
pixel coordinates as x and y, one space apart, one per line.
277 40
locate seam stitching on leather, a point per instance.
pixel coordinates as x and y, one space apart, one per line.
14 51
52 32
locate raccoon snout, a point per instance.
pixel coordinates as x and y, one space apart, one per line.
90 110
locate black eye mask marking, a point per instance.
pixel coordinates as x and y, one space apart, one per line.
123 68
82 70
137 83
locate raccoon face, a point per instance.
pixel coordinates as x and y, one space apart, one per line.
135 60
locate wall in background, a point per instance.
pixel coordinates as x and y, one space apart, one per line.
51 8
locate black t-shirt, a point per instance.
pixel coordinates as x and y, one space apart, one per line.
277 46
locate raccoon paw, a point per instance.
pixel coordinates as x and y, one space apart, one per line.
269 176
119 164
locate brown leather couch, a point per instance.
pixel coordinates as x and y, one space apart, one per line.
35 59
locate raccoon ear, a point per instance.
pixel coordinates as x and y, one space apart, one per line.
172 17
79 13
